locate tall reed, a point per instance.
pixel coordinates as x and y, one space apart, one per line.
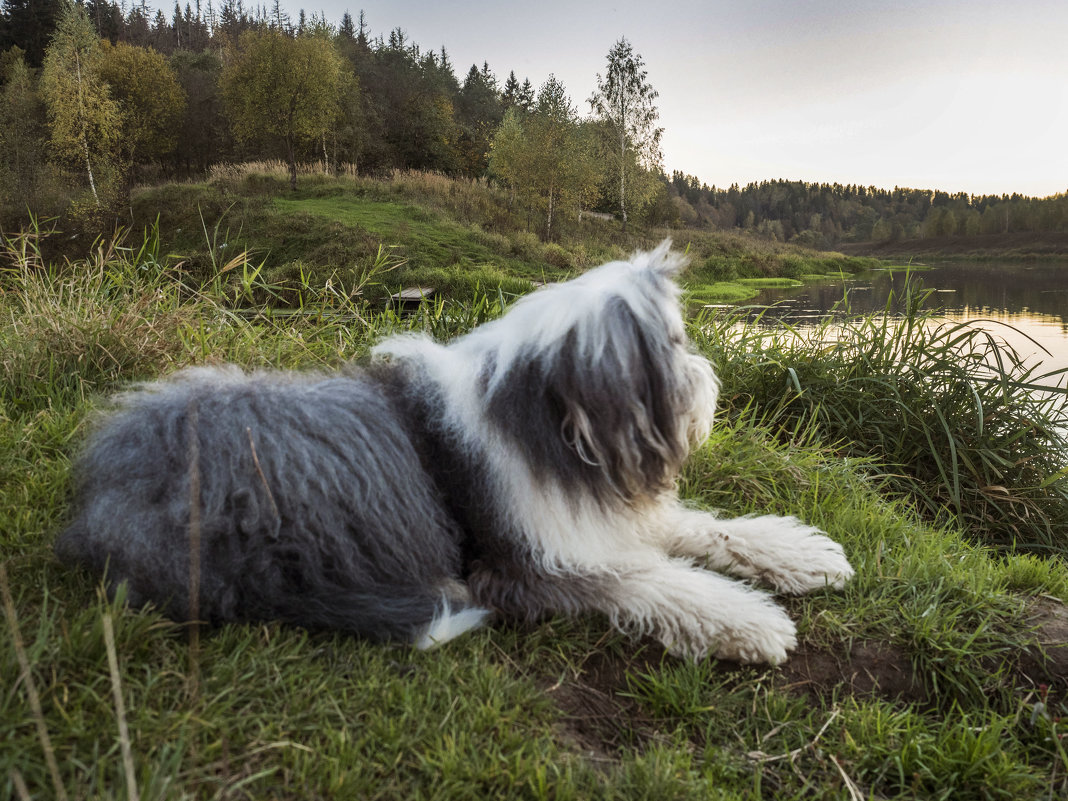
953 413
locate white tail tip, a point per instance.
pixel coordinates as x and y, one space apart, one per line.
448 625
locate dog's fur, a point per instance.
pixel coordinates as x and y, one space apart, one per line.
527 468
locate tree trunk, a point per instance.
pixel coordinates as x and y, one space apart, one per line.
85 138
623 176
292 163
549 222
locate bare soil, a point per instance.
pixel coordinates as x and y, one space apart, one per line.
600 718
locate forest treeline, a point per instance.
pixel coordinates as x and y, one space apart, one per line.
821 215
106 99
96 98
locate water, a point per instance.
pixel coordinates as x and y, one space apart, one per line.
1024 304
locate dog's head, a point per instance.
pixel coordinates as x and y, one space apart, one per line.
595 382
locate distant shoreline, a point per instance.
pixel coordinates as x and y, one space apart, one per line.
1018 245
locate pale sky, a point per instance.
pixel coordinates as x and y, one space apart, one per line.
958 95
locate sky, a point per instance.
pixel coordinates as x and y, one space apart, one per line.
963 96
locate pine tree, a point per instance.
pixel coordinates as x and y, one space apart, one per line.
525 97
29 24
347 29
510 95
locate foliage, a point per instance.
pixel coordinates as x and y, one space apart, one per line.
624 102
951 414
29 25
546 156
151 101
820 215
22 134
281 88
83 116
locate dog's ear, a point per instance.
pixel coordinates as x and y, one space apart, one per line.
663 260
597 410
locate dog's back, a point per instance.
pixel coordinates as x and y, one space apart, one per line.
295 481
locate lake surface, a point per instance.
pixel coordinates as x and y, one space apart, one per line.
1025 304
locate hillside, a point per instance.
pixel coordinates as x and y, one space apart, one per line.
1048 244
423 230
939 672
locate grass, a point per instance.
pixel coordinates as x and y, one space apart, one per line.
561 709
461 237
962 427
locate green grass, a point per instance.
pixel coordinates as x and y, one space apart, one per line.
460 237
770 283
721 292
561 709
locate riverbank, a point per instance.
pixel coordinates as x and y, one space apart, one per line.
1020 245
939 672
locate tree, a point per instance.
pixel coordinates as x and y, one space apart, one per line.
151 101
509 152
624 103
29 24
84 118
479 112
203 133
22 126
547 156
283 89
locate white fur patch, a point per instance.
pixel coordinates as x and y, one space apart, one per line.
448 625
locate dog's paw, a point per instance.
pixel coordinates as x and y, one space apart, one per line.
792 557
756 632
815 561
764 637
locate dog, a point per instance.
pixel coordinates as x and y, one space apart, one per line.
526 469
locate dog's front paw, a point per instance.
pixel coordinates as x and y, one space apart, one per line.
755 632
792 557
810 562
766 636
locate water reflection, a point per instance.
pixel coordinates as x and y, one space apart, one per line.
1025 305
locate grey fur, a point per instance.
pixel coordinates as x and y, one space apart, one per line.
353 503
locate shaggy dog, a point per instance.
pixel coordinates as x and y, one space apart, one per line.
525 469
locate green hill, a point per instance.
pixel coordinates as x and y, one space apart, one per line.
939 672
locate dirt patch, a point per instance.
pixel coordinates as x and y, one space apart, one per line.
599 718
867 669
1046 662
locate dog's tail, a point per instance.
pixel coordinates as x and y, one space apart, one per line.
419 617
449 623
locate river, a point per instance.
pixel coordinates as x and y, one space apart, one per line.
1025 304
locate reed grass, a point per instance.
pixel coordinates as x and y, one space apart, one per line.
954 417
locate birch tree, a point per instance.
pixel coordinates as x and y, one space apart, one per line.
625 104
546 156
83 117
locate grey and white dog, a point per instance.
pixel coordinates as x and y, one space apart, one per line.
527 468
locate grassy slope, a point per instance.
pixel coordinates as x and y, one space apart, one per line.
557 710
453 236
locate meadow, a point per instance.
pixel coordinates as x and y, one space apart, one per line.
939 672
